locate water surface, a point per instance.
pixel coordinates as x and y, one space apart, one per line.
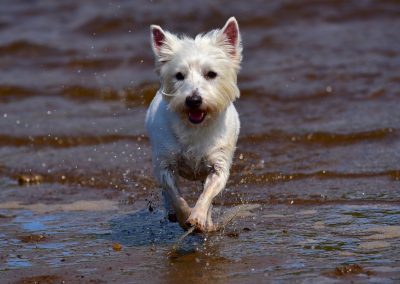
319 147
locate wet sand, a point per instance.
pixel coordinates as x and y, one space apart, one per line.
319 148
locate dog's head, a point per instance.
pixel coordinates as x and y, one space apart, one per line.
198 76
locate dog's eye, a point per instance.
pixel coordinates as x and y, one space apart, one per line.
179 76
211 75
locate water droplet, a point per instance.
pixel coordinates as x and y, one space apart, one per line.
329 89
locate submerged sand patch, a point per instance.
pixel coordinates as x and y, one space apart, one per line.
383 232
374 245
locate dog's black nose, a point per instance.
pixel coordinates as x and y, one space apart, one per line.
193 101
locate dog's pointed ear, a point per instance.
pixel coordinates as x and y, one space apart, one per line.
163 44
158 38
232 39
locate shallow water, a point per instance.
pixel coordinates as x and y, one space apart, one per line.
319 148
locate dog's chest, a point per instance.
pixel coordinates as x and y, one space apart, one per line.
195 151
193 167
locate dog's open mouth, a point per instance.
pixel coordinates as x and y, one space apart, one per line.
196 116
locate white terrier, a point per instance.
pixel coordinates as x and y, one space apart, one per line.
192 123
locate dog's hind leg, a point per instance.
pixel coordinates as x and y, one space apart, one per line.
169 210
174 198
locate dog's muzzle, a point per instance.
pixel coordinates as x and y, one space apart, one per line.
193 101
195 114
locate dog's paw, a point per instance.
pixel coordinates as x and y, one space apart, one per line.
199 220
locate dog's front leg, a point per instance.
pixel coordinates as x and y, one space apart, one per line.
201 213
179 205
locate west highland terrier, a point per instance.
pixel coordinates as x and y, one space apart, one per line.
192 122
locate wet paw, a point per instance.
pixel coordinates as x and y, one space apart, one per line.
199 221
200 226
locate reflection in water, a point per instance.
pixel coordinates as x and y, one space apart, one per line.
293 241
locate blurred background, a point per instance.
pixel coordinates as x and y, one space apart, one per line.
319 106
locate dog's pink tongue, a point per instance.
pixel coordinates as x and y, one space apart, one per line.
196 116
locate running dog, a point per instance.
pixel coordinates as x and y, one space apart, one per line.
192 123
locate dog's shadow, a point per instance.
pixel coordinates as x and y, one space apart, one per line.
143 228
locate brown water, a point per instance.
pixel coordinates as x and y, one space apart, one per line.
319 148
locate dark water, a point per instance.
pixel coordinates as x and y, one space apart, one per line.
319 147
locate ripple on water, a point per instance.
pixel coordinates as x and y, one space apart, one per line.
16 262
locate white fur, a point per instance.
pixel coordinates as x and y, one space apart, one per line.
194 151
